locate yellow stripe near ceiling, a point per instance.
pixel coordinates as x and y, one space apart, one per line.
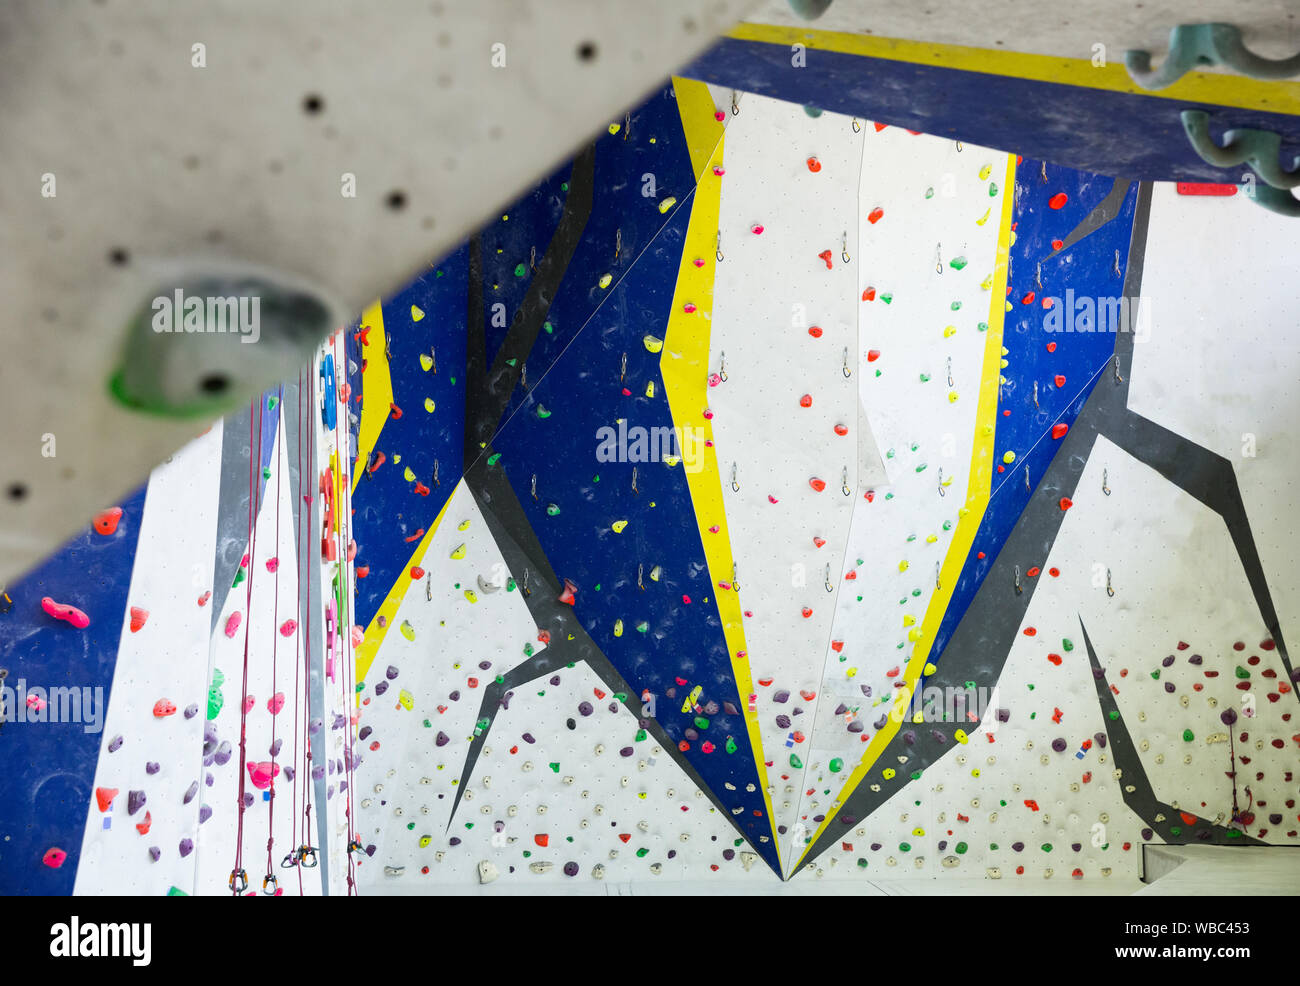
1197 87
685 369
376 386
365 654
969 517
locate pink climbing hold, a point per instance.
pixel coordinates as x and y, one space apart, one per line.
275 703
358 636
288 627
249 702
69 614
138 617
262 773
163 708
203 599
232 624
756 229
272 564
54 857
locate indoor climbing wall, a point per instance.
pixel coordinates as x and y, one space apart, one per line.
770 494
184 701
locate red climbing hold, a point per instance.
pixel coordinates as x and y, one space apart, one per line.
756 229
817 484
542 840
819 541
1028 299
163 708
807 612
805 400
880 126
203 599
104 797
1059 380
841 430
106 521
874 215
1057 244
1058 201
1059 429
1055 659
826 255
69 614
815 331
138 617
394 411
417 573
570 591
814 165
288 627
1051 347
869 294
144 825
1066 503
873 355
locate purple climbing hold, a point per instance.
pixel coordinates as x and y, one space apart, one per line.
1228 716
209 778
613 706
555 680
318 773
248 799
781 696
209 739
115 744
1167 661
223 754
364 732
190 793
1195 659
1169 687
275 748
442 739
191 710
866 690
529 738
585 709
134 801
152 767
391 673
857 726
1004 715
204 813
186 847
570 869
909 737
710 708
155 853
841 709
1147 834
381 687
880 723
1059 745
484 665
691 734
938 737
1017 847
876 847
455 696
627 751
728 854
453 841
1100 739
783 721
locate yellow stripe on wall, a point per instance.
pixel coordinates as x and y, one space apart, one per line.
1198 87
376 388
684 366
970 516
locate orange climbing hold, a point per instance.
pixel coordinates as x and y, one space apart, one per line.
106 521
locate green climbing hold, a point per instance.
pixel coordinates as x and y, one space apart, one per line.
701 722
1188 736
993 189
731 745
542 412
961 848
521 270
493 458
957 263
272 403
1242 673
555 768
837 764
1067 644
795 762
552 510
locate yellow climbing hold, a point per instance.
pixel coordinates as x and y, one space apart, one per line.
667 204
408 475
417 313
985 172
984 218
930 668
655 573
429 405
652 345
458 551
949 331
952 397
649 388
406 700
463 526
671 460
618 628
606 280
1009 457
426 362
909 620
903 566
692 698
618 526
931 538
888 773
960 736
471 595
408 631
914 634
851 673
918 832
614 128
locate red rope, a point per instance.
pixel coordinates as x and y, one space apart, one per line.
275 632
254 491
